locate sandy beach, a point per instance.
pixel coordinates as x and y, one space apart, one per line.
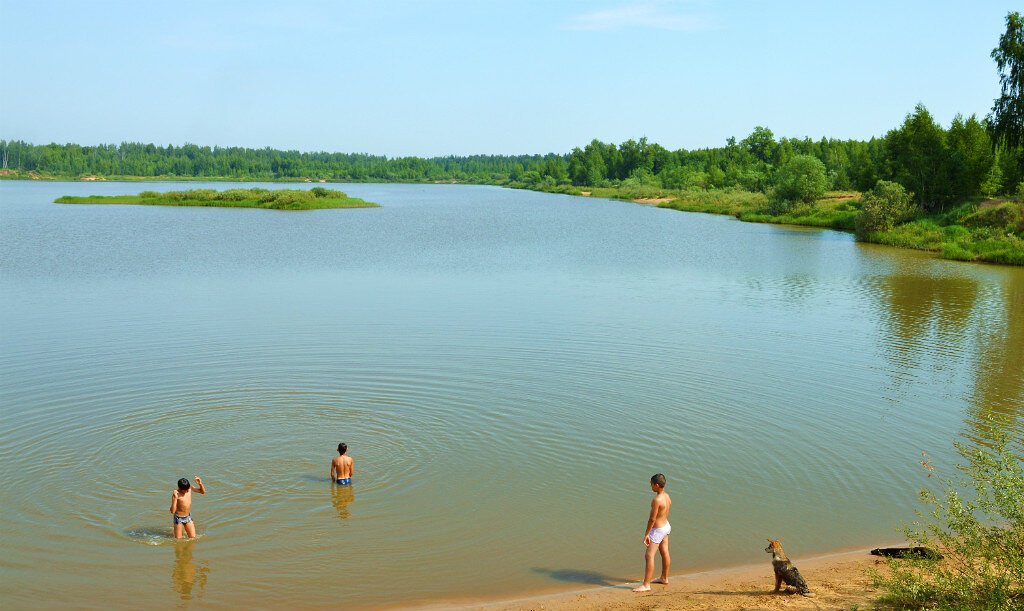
838 581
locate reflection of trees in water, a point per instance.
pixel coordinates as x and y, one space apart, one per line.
185 577
933 319
341 497
922 304
999 382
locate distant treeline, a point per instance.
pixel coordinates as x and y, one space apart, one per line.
192 161
939 165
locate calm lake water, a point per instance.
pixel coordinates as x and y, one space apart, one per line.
508 369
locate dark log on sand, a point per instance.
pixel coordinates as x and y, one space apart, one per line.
907 552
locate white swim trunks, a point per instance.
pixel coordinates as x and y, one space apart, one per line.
658 534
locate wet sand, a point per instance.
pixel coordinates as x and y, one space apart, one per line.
838 581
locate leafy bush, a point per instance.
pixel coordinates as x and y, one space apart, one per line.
752 180
977 522
883 207
149 194
319 192
682 178
532 177
201 195
286 197
234 195
175 196
802 179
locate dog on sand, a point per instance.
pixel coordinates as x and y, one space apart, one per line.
785 572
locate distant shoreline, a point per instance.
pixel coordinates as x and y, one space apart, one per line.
37 177
978 237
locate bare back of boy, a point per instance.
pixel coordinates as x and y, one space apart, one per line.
660 506
341 468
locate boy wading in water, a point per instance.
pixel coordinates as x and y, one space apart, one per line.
341 467
181 507
656 534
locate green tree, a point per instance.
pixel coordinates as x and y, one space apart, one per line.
993 181
1007 118
596 170
577 167
883 207
802 179
761 144
641 183
970 156
918 160
715 176
516 173
682 178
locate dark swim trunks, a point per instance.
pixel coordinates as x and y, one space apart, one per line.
182 519
344 482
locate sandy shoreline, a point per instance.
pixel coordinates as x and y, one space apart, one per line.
838 580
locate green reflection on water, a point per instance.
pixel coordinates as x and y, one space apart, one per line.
999 382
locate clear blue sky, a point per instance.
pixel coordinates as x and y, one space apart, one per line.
424 77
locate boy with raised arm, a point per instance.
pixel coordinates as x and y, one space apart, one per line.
342 467
181 507
656 534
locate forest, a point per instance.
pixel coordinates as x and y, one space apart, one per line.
939 165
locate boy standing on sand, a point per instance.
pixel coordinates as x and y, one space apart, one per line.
181 507
656 534
341 467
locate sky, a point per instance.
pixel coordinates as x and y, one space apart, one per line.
461 77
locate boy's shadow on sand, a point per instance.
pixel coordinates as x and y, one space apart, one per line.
592 578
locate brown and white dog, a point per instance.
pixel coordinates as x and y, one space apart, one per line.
785 572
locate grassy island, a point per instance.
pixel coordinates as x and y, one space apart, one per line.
282 199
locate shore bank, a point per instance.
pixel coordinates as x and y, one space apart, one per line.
837 580
977 230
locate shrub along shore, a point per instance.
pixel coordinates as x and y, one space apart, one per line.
282 199
981 229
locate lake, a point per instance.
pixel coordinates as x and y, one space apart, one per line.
508 368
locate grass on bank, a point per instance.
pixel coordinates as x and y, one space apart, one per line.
282 199
983 230
836 210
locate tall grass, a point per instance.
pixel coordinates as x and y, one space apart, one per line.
734 202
